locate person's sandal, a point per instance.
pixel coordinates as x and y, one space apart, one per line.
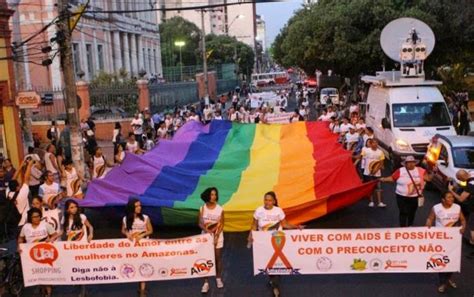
442 289
452 284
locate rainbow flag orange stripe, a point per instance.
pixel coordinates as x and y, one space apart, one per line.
302 162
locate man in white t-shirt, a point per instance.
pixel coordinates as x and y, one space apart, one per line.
137 127
344 128
50 192
207 112
324 116
331 113
351 138
360 124
353 108
369 134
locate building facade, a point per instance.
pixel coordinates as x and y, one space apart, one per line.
10 132
261 32
101 42
238 21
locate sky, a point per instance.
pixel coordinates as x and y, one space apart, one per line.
276 15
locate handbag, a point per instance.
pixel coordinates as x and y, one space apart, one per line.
421 198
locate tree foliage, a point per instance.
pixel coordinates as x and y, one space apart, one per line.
224 49
179 29
343 35
221 49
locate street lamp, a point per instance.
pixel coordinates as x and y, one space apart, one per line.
180 44
239 16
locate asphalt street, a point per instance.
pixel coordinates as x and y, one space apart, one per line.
238 275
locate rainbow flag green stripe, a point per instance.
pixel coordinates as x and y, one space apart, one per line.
302 163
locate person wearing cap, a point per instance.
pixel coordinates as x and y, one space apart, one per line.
351 138
410 182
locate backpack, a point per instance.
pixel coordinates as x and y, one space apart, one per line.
14 215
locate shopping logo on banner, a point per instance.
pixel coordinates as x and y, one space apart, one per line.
334 251
117 261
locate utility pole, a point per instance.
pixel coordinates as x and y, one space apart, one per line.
70 101
25 121
16 32
204 56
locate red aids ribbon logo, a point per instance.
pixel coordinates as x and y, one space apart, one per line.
278 242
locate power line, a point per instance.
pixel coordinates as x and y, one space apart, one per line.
197 7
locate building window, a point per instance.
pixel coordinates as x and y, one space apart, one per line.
90 63
150 59
76 58
100 56
144 61
154 60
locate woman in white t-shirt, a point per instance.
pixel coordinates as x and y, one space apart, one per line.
51 216
36 230
132 146
76 227
99 164
211 220
119 154
270 217
446 214
136 226
410 181
72 179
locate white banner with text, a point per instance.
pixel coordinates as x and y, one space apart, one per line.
278 118
117 261
331 251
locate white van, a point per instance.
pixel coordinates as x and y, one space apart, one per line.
329 96
405 114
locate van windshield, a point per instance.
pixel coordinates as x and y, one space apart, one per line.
420 115
464 157
329 92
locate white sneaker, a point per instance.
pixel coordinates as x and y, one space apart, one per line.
381 204
219 283
205 288
371 204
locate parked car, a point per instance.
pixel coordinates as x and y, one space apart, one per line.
450 154
108 113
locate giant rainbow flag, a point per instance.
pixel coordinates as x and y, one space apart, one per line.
302 162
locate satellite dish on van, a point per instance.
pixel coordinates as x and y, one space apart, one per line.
407 39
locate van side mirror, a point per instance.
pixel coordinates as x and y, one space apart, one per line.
385 123
443 163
